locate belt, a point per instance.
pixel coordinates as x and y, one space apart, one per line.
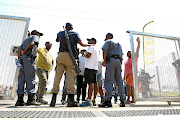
115 56
63 51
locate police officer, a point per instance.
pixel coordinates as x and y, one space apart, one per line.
65 63
27 57
112 55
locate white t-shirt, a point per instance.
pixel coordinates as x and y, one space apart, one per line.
82 60
92 61
99 67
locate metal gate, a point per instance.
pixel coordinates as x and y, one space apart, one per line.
155 75
13 30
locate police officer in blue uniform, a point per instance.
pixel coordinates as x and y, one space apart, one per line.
112 55
27 56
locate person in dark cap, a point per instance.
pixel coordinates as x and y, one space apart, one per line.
90 73
65 63
27 57
113 52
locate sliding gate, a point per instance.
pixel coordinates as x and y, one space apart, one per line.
13 30
157 76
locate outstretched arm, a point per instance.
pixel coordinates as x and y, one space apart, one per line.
84 45
138 47
152 76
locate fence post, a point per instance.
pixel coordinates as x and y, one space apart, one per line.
157 73
134 67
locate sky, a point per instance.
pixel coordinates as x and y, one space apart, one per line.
95 18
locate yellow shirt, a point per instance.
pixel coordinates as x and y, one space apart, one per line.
44 59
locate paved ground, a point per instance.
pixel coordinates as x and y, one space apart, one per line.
140 110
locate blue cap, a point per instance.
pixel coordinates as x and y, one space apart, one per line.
107 35
69 25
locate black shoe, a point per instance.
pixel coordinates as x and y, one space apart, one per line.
122 104
20 101
71 102
31 100
53 101
105 104
63 102
94 102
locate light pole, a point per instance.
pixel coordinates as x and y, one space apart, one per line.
143 40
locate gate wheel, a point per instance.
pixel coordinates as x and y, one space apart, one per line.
169 102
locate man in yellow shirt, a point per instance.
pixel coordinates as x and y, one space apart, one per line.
44 66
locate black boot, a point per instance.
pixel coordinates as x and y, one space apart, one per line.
31 100
71 102
122 104
53 101
105 103
20 101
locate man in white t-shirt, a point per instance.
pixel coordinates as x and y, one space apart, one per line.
90 74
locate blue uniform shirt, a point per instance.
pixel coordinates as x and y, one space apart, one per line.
32 38
112 48
73 37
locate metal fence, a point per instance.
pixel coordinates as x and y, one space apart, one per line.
13 30
156 78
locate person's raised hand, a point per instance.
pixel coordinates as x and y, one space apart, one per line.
138 39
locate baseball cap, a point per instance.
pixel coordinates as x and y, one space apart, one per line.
92 39
48 43
69 25
35 31
107 35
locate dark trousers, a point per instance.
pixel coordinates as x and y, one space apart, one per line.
27 75
81 85
113 73
64 89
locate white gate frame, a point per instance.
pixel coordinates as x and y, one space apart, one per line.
131 33
14 87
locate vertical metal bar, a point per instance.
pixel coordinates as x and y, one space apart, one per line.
157 73
26 29
179 44
134 67
176 49
143 49
178 57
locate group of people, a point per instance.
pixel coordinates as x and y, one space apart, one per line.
89 63
27 55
